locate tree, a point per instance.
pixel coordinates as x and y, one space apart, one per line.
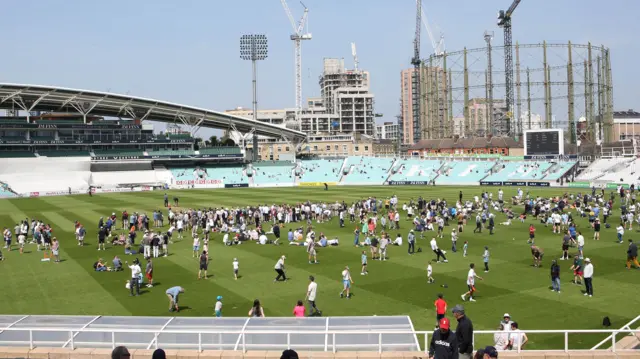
213 141
229 142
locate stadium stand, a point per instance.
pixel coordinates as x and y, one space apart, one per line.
171 153
320 170
5 192
416 170
519 170
16 154
127 178
464 172
46 174
366 170
62 153
557 170
118 152
603 165
266 173
626 172
228 175
220 151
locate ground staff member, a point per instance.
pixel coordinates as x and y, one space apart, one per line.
464 333
444 344
172 294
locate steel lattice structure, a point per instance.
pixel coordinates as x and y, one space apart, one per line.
556 86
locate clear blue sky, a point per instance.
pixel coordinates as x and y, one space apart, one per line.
187 51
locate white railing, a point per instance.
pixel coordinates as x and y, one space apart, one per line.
624 327
241 343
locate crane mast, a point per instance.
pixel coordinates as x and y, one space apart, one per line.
504 21
297 37
416 83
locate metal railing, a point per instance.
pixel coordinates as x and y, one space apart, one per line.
624 327
241 343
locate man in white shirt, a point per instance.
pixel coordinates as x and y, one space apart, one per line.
384 243
437 251
398 241
588 277
279 267
312 290
262 239
517 338
471 281
135 276
580 241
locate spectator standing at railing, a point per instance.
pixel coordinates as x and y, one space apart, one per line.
444 343
588 277
464 332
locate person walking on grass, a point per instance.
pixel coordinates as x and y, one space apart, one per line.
236 268
441 308
135 276
588 277
312 290
411 239
218 307
430 273
363 260
555 276
149 273
485 259
471 280
632 255
346 283
577 270
279 267
204 265
55 248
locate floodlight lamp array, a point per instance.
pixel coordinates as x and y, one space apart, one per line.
253 47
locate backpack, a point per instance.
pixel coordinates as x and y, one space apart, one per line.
95 265
606 322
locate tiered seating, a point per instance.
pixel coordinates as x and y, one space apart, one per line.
271 174
42 138
321 170
180 136
367 170
65 121
629 173
12 138
5 193
63 153
558 170
513 171
417 170
12 154
601 166
229 175
220 151
464 172
171 153
118 152
52 181
114 179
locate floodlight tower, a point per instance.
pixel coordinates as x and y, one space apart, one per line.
298 36
254 47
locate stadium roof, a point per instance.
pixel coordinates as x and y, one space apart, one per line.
59 99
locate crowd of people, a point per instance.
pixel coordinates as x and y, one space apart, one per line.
374 220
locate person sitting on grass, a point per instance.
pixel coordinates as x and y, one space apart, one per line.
99 266
117 264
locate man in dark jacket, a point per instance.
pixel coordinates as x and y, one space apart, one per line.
632 255
555 276
444 344
464 333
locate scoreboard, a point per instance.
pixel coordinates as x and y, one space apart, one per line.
544 142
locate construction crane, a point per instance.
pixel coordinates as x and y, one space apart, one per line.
504 21
298 36
415 61
438 47
355 56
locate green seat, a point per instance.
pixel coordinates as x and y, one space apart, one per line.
63 153
220 151
16 154
118 152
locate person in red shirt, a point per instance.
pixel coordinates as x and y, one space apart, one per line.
441 309
532 234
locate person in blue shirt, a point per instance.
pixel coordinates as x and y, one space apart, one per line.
172 294
290 235
218 307
363 260
356 239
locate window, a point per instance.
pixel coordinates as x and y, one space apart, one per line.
357 149
279 148
315 148
328 148
286 148
335 147
366 148
344 148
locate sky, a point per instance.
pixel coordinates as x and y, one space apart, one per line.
187 51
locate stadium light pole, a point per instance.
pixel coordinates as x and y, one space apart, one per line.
254 47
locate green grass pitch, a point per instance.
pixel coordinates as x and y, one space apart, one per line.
395 287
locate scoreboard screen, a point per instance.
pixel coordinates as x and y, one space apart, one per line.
544 142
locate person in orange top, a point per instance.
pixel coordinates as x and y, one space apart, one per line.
441 308
532 234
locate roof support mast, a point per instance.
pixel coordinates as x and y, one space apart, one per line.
504 21
297 36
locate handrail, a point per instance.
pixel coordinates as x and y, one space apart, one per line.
626 326
242 334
